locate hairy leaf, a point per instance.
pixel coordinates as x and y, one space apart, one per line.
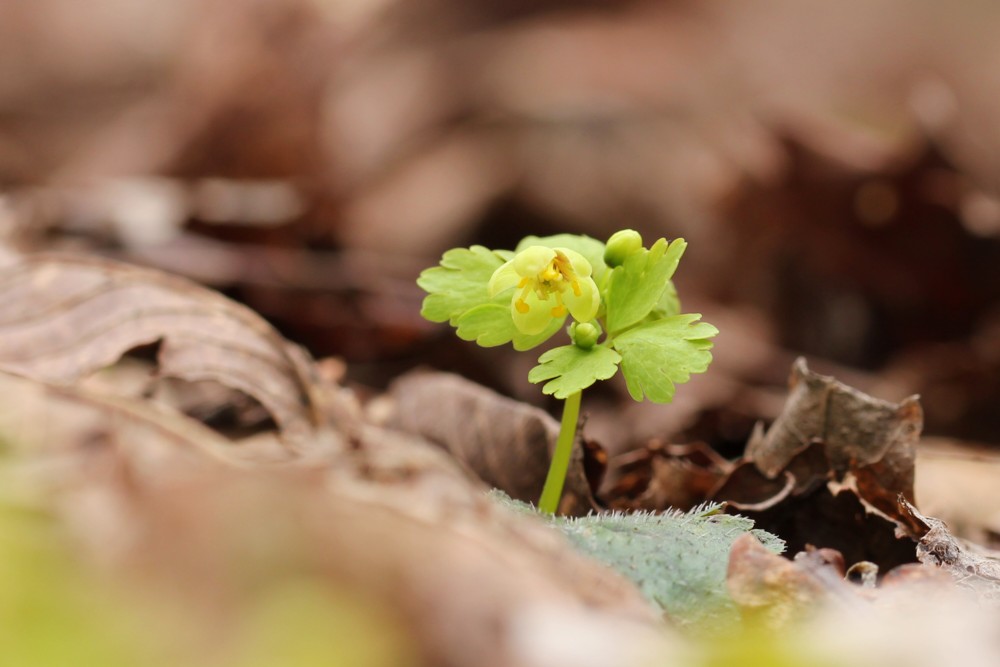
660 354
570 369
637 286
678 561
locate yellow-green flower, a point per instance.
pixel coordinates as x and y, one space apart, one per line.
550 282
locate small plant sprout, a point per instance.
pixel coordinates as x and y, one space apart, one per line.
624 310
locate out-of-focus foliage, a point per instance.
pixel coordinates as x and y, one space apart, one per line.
58 609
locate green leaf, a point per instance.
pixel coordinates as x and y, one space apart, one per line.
570 369
587 246
490 324
669 304
459 284
679 561
660 354
637 286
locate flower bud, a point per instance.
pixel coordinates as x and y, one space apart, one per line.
584 334
621 244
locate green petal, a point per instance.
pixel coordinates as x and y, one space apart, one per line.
533 260
583 308
503 279
581 265
536 319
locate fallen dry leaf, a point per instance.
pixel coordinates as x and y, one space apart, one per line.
829 470
394 520
63 318
946 465
876 440
660 476
506 443
774 591
972 567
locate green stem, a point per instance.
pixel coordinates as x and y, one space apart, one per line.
552 491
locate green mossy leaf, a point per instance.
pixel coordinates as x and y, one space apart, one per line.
637 286
570 369
660 354
678 560
460 283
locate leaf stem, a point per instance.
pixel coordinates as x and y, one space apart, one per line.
554 481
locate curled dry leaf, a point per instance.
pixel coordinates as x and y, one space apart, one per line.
506 443
829 469
873 439
972 567
65 428
63 318
822 475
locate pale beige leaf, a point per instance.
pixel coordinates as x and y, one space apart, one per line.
63 318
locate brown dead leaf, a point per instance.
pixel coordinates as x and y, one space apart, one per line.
747 489
506 443
857 431
395 520
828 472
773 591
828 429
946 465
63 318
662 475
54 425
972 567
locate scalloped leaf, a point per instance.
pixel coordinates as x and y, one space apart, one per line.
570 369
491 324
637 286
460 283
658 355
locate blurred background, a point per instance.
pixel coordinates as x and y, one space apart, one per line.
834 167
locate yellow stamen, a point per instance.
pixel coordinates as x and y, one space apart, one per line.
576 288
521 306
524 282
558 311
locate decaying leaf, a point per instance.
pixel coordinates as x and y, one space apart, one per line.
829 470
972 567
395 520
506 443
63 318
663 475
774 592
40 420
873 439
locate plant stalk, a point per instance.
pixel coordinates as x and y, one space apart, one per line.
554 481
